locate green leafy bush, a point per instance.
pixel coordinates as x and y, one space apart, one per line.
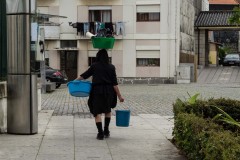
207 129
201 139
203 107
207 109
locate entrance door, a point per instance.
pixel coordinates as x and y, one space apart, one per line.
68 63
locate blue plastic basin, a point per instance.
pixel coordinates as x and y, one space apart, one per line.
79 88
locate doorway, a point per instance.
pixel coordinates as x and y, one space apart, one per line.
68 63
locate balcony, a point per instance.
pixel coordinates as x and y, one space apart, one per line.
52 32
51 29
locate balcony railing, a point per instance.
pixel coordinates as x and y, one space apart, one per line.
51 31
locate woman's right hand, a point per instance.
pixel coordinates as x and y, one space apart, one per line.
121 99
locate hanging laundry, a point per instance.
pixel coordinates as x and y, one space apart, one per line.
74 25
85 27
109 29
109 25
80 29
120 28
99 26
91 27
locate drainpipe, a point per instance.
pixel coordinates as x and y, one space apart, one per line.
176 60
168 45
198 46
206 48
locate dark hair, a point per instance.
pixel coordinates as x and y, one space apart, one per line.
102 56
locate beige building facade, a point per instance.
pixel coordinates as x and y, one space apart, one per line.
155 34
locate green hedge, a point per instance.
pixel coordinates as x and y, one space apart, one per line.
205 109
199 136
201 139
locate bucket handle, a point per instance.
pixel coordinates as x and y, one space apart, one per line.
129 108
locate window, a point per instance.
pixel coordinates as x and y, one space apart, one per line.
92 60
143 17
148 13
100 15
148 62
68 43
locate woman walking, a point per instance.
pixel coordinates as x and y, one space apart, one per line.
104 92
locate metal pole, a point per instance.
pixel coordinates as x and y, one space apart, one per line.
22 112
3 40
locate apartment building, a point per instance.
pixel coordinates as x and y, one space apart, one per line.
156 37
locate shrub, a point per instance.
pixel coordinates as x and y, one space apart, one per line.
200 139
207 109
222 146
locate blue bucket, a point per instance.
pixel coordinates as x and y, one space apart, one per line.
122 118
79 88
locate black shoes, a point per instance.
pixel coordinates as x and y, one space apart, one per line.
100 136
106 134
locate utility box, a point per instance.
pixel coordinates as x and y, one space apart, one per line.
183 74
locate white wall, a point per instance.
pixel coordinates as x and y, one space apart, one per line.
3 107
169 37
47 2
129 58
99 2
3 115
68 8
54 59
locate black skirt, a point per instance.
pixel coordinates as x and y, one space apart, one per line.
101 99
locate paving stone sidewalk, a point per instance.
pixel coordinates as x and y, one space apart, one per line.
143 99
69 138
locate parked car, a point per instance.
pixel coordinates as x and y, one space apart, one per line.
231 59
54 75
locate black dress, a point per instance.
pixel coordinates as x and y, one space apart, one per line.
102 96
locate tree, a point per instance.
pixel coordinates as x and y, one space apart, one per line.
235 18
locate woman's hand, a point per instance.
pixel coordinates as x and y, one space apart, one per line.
121 99
79 78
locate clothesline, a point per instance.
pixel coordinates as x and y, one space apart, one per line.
94 27
101 22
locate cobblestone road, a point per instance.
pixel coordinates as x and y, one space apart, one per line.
143 99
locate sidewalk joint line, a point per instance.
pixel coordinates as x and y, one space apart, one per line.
43 137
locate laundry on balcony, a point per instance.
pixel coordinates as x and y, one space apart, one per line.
117 28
